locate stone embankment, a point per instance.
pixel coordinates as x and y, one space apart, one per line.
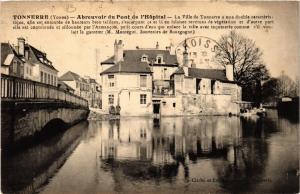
99 115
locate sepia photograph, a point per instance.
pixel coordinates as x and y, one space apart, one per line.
149 97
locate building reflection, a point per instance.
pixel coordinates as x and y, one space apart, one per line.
167 150
27 171
139 149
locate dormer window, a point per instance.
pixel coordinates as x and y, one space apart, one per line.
159 59
144 58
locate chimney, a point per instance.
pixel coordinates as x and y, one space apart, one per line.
157 45
185 59
27 54
185 55
229 72
21 46
186 70
118 51
193 65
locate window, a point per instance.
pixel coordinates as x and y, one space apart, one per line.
77 85
144 58
143 99
159 59
15 66
212 85
45 77
48 79
143 80
51 79
143 133
42 76
174 104
165 73
110 99
111 80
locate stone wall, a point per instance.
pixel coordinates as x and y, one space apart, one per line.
25 119
198 104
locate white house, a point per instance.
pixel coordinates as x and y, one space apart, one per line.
171 89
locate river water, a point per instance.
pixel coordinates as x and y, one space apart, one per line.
203 154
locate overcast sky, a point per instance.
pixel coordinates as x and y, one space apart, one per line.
77 53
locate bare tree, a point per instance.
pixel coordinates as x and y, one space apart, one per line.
245 57
287 86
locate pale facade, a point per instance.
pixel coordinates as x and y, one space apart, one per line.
25 61
173 89
131 91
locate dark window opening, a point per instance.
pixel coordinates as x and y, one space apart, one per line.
212 84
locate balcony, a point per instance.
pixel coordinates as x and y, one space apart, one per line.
163 88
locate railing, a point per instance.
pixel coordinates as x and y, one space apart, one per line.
18 88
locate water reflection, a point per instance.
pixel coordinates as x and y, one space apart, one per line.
207 154
27 171
137 152
152 149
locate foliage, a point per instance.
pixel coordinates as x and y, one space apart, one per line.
246 59
280 87
244 55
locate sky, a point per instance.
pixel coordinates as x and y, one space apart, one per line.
280 45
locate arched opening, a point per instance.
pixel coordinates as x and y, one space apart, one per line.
53 127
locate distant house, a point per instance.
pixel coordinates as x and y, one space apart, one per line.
75 81
65 87
25 61
151 82
94 95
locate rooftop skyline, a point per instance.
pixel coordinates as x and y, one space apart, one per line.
78 52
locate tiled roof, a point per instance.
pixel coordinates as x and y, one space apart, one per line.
93 81
216 74
71 76
65 86
41 57
125 67
136 55
6 50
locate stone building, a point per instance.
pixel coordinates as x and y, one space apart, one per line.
151 82
85 87
11 62
25 61
80 85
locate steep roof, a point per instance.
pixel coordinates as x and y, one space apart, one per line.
71 76
93 81
65 86
7 54
216 74
136 55
40 56
128 67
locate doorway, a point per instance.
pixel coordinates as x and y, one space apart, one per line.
156 106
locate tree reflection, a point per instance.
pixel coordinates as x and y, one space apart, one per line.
237 148
141 152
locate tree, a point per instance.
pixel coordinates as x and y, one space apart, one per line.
287 86
276 88
246 58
